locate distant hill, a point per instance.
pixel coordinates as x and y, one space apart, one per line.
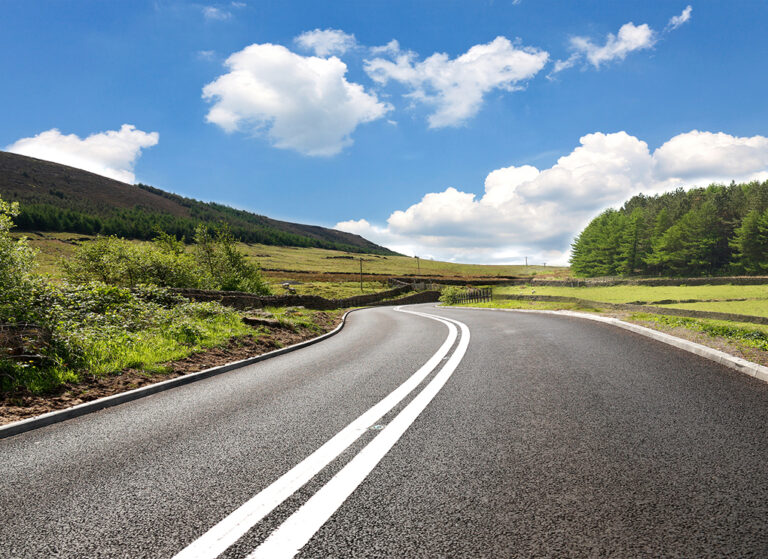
56 197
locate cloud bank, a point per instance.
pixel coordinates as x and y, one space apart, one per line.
525 211
112 153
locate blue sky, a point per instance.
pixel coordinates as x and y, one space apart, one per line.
472 131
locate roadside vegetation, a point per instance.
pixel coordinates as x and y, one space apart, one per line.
113 309
752 335
718 230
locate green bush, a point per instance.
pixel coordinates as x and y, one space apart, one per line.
227 267
452 295
117 261
17 261
214 263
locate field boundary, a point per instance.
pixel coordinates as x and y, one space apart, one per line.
689 313
754 370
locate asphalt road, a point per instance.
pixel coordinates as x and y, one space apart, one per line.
534 436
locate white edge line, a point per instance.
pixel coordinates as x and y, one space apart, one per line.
286 541
225 533
755 370
57 416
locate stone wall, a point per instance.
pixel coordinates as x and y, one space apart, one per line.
241 300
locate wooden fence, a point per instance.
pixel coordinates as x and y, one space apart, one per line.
481 295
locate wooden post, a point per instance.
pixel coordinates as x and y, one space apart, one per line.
361 274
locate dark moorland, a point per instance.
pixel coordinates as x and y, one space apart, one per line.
56 197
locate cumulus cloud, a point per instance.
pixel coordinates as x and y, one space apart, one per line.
525 211
717 156
326 41
300 103
677 21
112 153
455 88
211 13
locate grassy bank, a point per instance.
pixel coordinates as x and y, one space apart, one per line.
750 299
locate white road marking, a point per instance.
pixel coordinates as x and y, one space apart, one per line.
296 531
221 536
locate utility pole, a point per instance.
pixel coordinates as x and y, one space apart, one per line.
418 265
526 261
361 274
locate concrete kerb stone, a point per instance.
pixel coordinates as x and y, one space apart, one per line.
755 370
57 416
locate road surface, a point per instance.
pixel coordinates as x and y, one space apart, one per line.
460 434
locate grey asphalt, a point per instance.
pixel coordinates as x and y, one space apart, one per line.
555 437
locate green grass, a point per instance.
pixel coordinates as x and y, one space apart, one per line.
146 349
752 307
321 260
533 305
54 246
752 335
648 294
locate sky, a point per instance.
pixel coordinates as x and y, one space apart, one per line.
483 131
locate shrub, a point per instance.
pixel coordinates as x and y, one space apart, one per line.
452 295
17 260
225 265
117 261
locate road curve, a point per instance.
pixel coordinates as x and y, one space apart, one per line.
542 436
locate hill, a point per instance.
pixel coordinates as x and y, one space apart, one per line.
56 197
718 230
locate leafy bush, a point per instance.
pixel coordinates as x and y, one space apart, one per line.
225 265
17 260
117 261
214 263
452 295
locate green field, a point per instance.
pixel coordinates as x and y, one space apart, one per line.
55 246
708 297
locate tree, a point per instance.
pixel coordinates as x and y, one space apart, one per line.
750 243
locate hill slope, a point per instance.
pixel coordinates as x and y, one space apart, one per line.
56 197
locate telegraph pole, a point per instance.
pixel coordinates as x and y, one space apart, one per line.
361 273
418 265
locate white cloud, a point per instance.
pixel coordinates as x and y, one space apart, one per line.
392 48
677 21
456 87
238 4
301 103
206 54
718 157
525 211
212 13
326 41
631 37
112 153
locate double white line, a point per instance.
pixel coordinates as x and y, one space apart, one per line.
297 530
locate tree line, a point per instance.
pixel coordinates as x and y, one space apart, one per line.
139 223
717 230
